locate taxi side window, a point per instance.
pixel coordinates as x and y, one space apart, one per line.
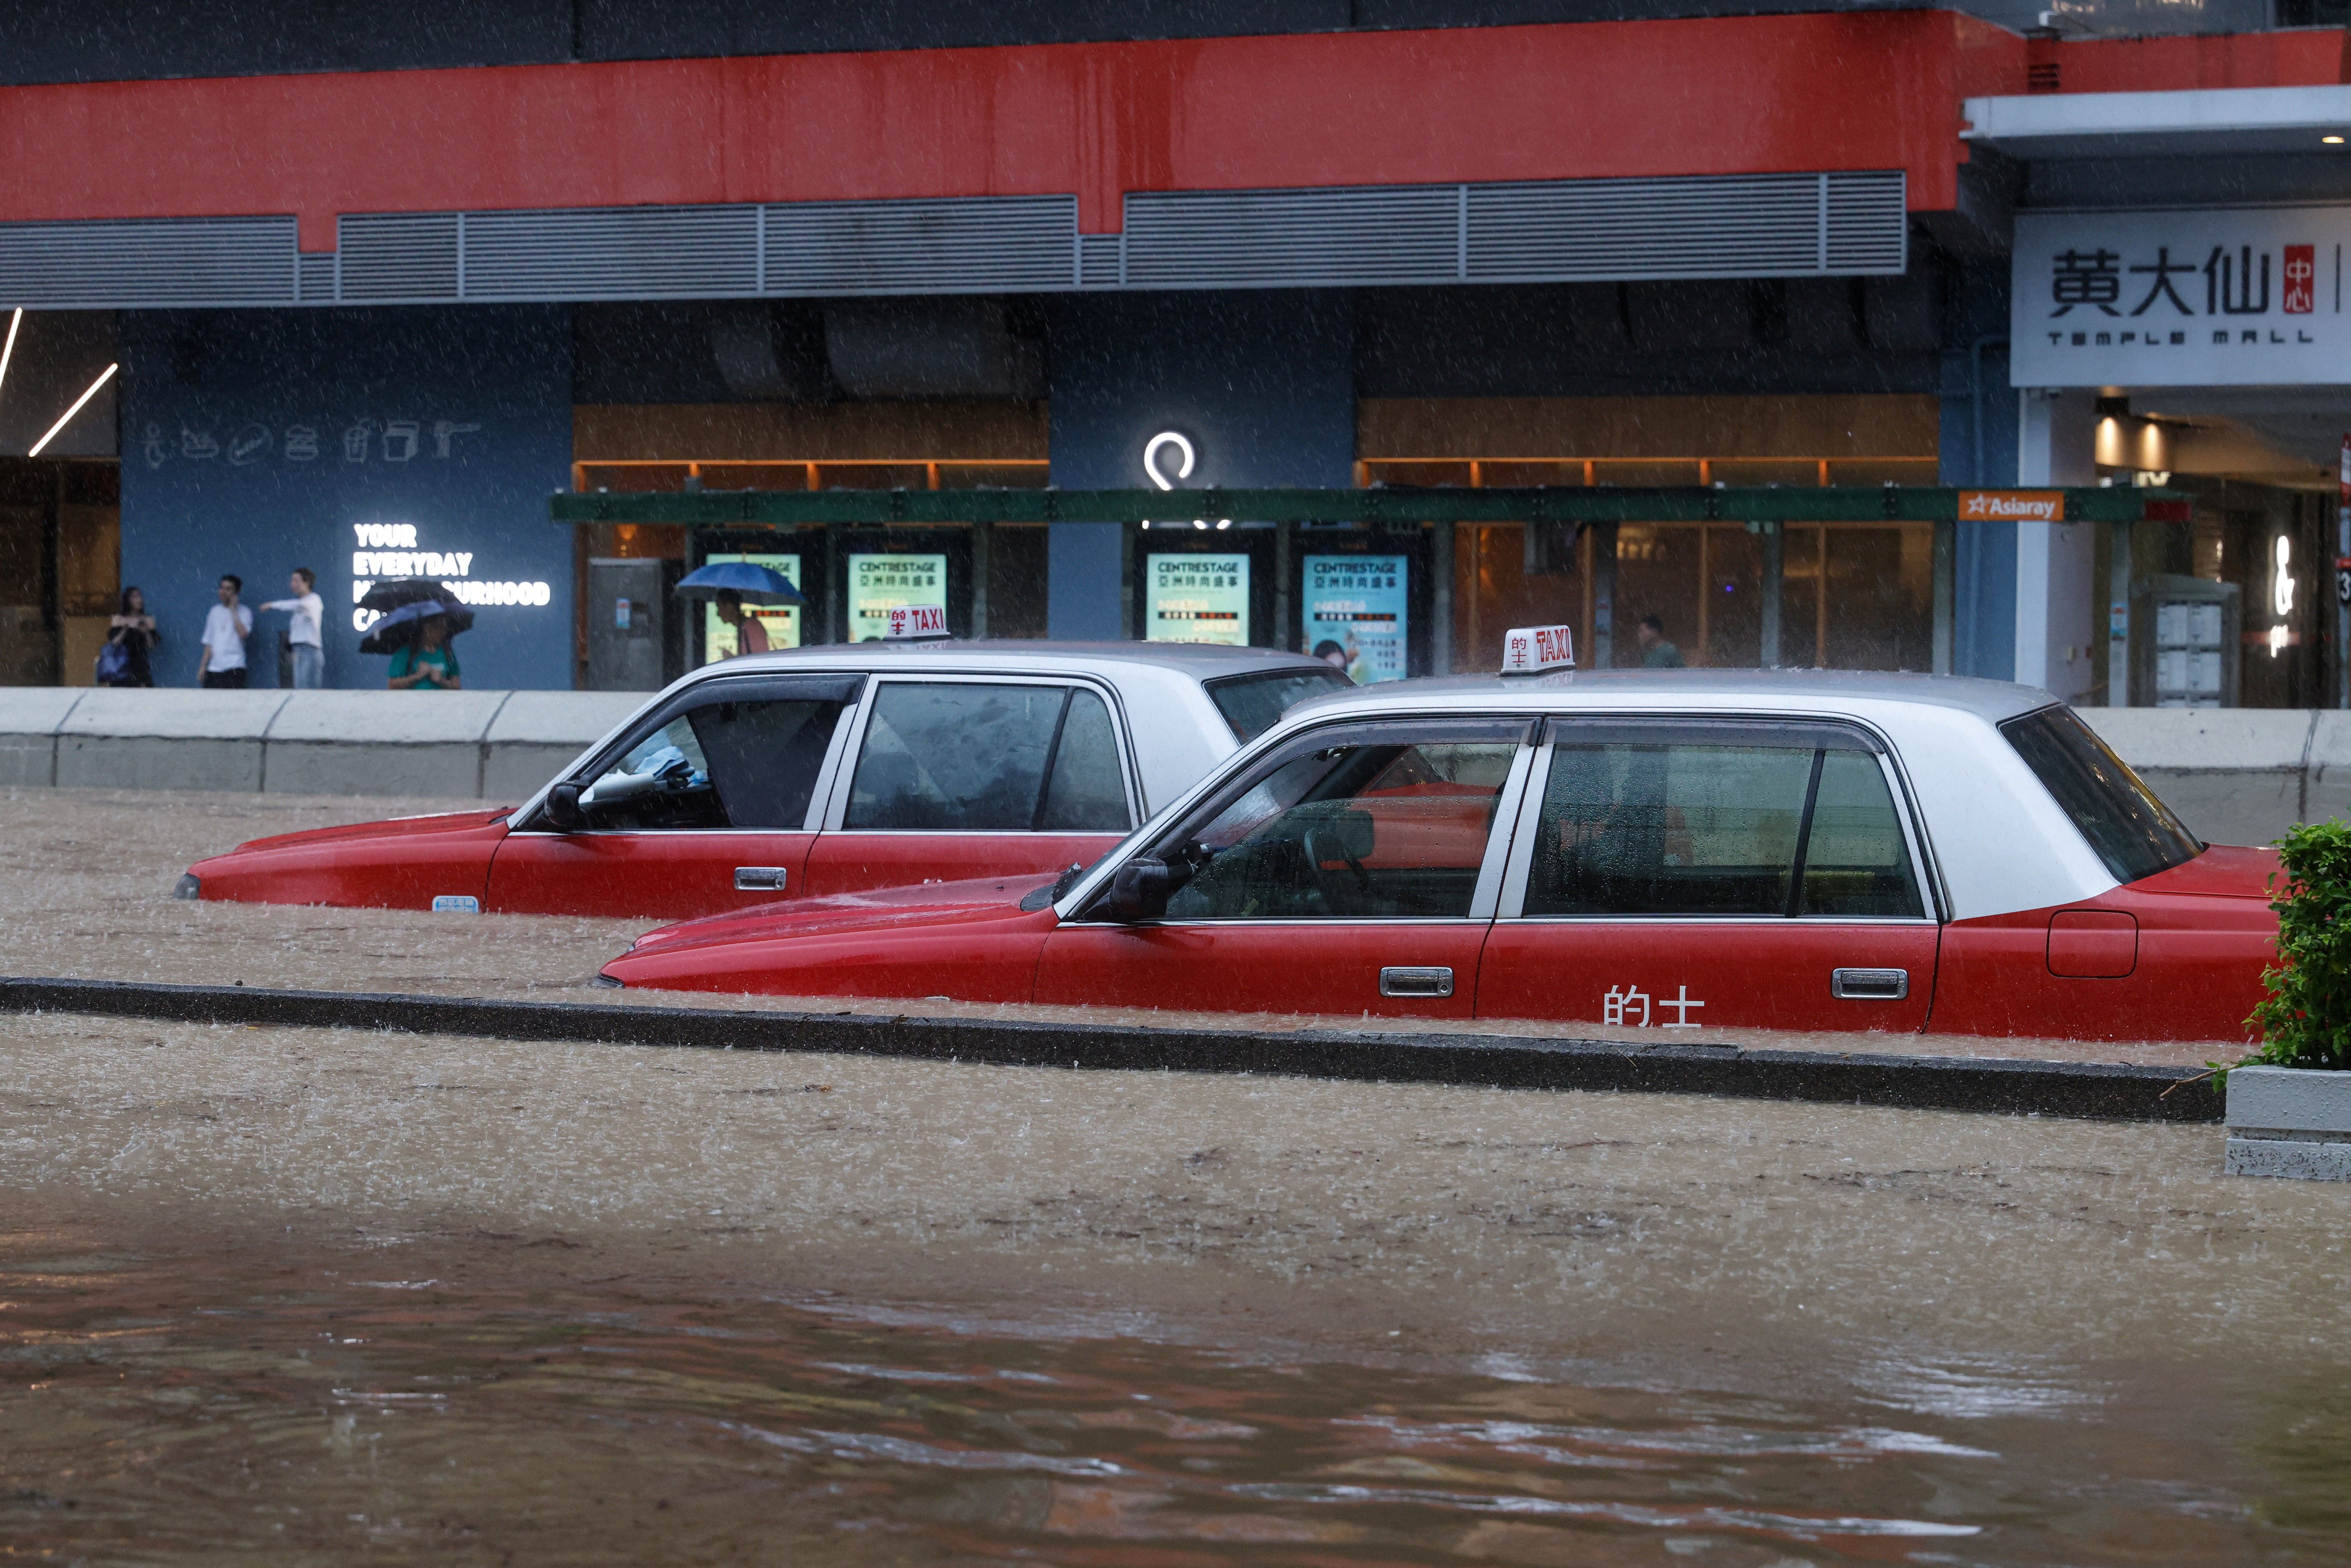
973 756
742 764
1699 830
1369 825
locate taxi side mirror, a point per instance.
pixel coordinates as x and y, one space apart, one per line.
1139 890
563 810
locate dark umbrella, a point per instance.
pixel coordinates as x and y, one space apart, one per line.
400 591
750 582
398 627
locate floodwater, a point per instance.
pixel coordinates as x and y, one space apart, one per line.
203 1400
88 881
294 1295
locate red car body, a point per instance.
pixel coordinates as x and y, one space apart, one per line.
2175 955
1043 755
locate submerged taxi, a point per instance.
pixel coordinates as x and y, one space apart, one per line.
1650 849
813 772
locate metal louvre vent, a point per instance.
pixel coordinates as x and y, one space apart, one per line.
1099 263
962 246
1747 225
611 253
1868 221
397 258
315 279
1326 237
147 261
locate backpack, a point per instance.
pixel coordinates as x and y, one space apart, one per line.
113 664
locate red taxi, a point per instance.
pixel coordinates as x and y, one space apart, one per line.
1654 850
815 772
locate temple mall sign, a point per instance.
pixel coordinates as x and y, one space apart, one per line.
2229 296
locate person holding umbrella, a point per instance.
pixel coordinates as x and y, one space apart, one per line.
731 584
426 662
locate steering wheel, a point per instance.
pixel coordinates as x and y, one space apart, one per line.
1340 896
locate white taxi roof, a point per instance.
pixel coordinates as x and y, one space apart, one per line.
1998 842
1175 727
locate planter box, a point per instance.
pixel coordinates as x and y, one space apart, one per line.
2290 1122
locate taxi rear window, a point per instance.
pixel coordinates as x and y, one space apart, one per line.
2135 833
1251 703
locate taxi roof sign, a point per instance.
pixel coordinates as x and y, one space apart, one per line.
908 621
1530 649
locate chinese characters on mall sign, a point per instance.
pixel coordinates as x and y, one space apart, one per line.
1197 597
881 583
2229 297
1356 615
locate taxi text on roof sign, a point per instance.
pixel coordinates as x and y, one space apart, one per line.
917 621
1529 649
2013 506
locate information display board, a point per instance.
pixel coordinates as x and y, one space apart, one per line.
1357 615
781 621
1198 596
881 583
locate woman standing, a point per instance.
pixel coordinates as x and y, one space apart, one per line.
427 664
130 637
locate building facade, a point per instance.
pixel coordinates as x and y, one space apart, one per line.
364 296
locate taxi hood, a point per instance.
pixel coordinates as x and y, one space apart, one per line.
924 904
391 828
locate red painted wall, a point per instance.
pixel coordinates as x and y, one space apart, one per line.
2304 58
1727 95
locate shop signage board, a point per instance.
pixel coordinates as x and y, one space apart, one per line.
1357 613
2211 296
782 621
881 583
1198 596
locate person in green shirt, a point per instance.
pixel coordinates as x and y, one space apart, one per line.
1657 653
428 663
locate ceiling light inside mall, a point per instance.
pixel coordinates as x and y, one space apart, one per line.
8 349
2332 141
66 418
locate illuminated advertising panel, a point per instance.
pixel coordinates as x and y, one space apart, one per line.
1197 597
781 621
881 583
1356 614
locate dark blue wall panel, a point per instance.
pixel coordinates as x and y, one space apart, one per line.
254 441
1263 383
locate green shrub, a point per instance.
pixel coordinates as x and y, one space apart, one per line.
2305 1020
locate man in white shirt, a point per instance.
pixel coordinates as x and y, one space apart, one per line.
221 664
309 652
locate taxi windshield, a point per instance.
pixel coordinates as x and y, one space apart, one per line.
2135 833
1250 704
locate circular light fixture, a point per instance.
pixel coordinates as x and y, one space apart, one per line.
2332 141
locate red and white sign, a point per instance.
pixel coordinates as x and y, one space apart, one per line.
1528 649
2300 279
917 621
2013 506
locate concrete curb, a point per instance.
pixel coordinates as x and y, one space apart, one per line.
2100 1091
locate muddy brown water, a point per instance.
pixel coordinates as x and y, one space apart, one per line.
310 1295
89 875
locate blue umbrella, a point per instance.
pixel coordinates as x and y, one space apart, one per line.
752 584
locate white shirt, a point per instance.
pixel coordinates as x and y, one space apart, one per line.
225 631
308 611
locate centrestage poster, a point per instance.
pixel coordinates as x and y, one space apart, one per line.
782 621
878 584
1356 615
1197 598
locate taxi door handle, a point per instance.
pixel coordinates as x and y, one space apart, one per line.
1406 980
1869 985
759 878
